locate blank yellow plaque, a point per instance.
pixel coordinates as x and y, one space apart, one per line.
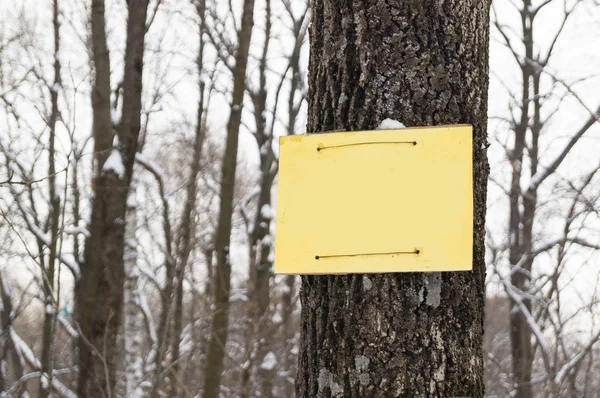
375 201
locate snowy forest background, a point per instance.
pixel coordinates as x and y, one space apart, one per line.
543 202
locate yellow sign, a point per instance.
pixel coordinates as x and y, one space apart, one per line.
375 201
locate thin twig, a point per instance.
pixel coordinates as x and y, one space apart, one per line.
30 182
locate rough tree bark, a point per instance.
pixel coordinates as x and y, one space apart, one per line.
222 282
100 290
423 62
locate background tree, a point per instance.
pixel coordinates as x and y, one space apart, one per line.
31 206
222 277
100 290
552 208
50 300
265 100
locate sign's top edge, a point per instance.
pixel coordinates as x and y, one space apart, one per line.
332 132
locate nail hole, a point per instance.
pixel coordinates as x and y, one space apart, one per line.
414 142
417 251
316 257
318 149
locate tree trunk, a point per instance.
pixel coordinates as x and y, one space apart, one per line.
102 124
9 355
50 300
133 321
187 223
289 359
100 291
520 237
422 62
103 137
287 302
260 242
222 281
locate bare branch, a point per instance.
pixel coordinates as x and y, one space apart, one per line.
30 182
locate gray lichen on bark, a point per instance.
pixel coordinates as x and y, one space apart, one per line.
432 287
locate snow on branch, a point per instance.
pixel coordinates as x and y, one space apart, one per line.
77 230
67 326
269 361
145 308
66 260
542 249
31 375
26 353
564 371
150 275
545 172
533 326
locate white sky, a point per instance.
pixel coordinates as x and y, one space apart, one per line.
172 43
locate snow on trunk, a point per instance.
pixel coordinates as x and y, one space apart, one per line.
133 322
390 124
114 163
